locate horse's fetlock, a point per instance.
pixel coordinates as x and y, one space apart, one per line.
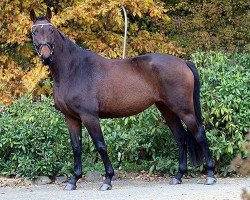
110 173
182 168
78 174
210 165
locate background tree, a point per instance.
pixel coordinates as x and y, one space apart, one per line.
203 25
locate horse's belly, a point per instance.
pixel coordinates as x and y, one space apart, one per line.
126 100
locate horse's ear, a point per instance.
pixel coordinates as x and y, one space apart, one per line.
33 15
48 14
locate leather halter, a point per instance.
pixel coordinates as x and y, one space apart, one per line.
51 46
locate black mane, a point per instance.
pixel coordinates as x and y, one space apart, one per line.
70 43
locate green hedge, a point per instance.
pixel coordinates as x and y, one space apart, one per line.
225 102
34 139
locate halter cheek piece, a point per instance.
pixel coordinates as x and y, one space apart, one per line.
51 46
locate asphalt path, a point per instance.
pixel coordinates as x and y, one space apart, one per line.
193 189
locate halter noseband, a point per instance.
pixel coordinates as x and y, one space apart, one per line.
51 46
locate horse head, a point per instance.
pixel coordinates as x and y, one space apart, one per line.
43 35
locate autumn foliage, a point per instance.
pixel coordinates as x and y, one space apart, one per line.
174 27
202 25
91 23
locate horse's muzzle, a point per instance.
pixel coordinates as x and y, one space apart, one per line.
45 51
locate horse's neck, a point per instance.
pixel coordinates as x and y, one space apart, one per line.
64 53
61 58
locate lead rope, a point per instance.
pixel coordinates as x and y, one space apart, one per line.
125 32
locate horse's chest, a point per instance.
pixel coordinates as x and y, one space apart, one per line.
60 103
63 103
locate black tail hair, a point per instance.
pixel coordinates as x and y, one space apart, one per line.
197 107
195 151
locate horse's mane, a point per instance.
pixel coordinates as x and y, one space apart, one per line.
62 35
69 42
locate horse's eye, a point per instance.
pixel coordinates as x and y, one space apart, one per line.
51 30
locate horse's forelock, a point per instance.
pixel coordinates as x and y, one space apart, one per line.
41 18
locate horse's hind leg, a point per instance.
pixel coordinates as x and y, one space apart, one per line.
198 133
175 125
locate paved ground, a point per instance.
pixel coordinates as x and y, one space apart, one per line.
225 189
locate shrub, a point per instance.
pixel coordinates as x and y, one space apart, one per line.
35 141
225 102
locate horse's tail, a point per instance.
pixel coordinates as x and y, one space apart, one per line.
195 150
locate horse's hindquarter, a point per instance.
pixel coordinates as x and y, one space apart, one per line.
126 88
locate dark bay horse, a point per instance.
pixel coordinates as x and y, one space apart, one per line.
88 87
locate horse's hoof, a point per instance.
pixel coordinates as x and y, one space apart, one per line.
105 187
174 181
210 181
69 187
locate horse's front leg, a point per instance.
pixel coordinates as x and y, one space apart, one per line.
75 130
93 126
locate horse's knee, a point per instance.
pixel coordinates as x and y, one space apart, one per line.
101 148
190 121
76 149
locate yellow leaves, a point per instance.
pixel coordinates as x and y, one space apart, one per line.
154 42
26 51
5 98
3 58
141 8
95 24
10 74
134 27
31 79
15 24
15 82
9 69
